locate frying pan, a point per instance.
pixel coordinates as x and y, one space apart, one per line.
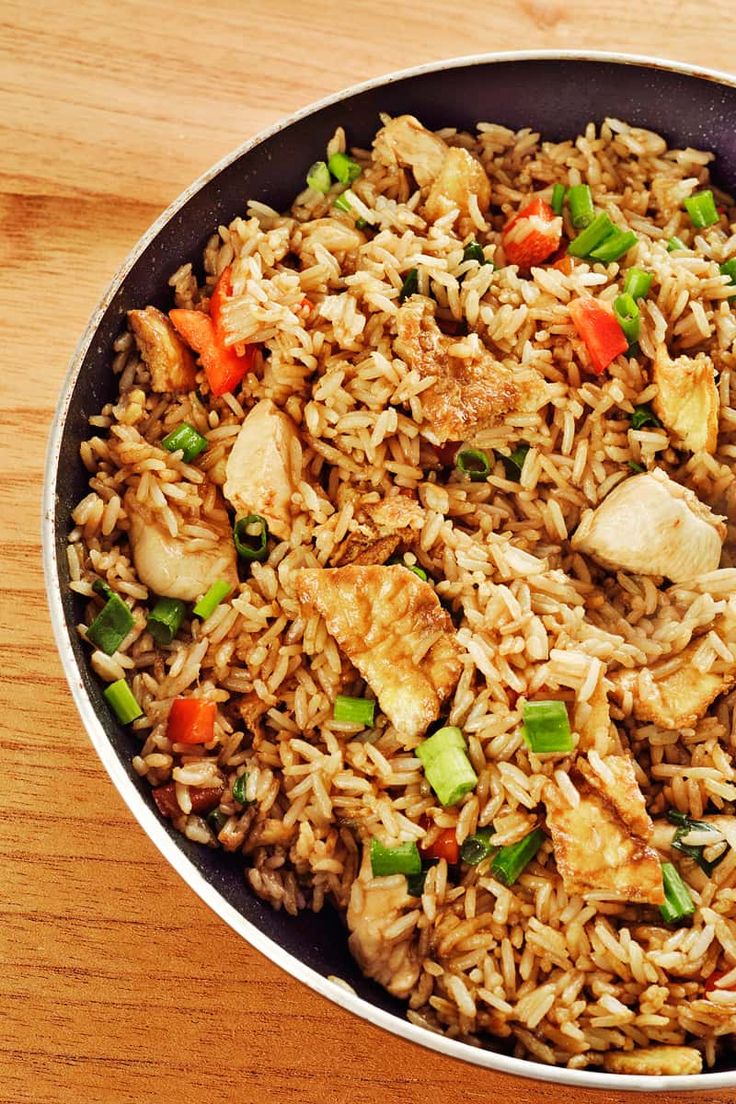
554 93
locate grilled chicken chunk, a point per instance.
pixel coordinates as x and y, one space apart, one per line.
592 722
652 526
379 529
467 396
167 358
687 399
655 1061
601 845
375 906
264 467
681 697
460 177
392 627
404 141
179 567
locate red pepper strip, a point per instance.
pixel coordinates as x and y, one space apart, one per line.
445 846
712 979
202 799
532 235
597 326
191 721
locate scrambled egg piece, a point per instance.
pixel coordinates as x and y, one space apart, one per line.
467 396
264 467
375 905
167 358
392 627
179 567
654 1061
602 845
652 526
687 400
379 529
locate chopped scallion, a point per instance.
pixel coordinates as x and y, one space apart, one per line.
514 462
217 820
404 859
343 203
209 602
701 208
477 847
359 711
728 268
558 198
164 620
627 316
695 852
644 415
636 466
239 787
418 571
614 246
446 765
344 168
600 228
318 178
678 903
546 727
511 861
100 587
474 252
473 463
410 284
674 244
580 205
111 625
186 438
119 697
251 537
637 283
415 882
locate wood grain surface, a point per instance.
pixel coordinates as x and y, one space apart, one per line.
117 985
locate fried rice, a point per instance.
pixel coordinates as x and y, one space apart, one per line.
566 972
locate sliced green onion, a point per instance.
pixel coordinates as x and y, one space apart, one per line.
728 268
251 537
186 438
474 252
627 316
100 587
415 882
558 198
633 350
361 223
119 697
702 209
359 711
404 859
318 178
674 244
344 168
547 727
111 625
695 852
637 283
600 228
678 903
478 847
636 466
418 571
474 463
580 205
514 462
343 201
239 786
511 861
164 620
446 765
644 415
209 602
217 820
410 284
614 246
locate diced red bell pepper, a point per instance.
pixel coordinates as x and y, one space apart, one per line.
191 721
712 979
445 846
203 799
532 235
597 326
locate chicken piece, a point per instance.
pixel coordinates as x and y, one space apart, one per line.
655 1061
652 526
179 567
681 697
460 177
592 722
374 907
169 361
467 396
687 399
392 627
601 845
332 234
404 141
264 467
251 708
380 527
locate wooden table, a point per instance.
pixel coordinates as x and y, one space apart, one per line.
118 985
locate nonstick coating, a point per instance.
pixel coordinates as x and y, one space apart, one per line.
556 96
